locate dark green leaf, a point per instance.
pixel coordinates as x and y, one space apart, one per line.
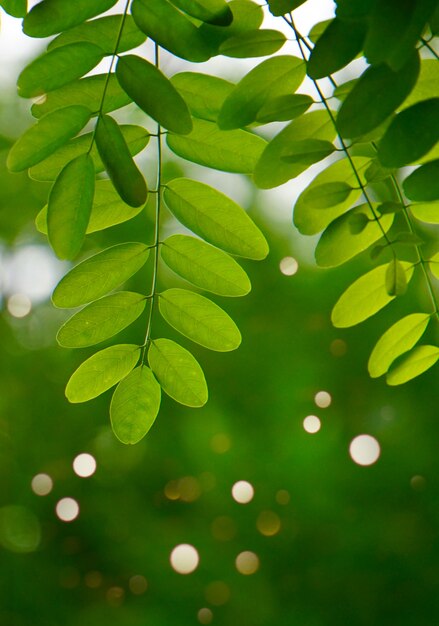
16 8
375 173
53 16
341 91
317 30
354 9
423 184
338 45
280 7
389 207
416 363
283 108
408 238
396 281
308 151
357 222
215 12
427 85
121 169
328 195
203 94
253 43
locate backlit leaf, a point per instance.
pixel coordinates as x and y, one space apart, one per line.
215 217
318 29
338 45
215 12
205 266
53 16
199 319
203 94
389 207
396 281
308 151
375 172
100 274
328 195
101 371
426 212
434 265
280 7
427 85
423 184
253 43
16 8
178 372
101 319
416 363
135 404
284 108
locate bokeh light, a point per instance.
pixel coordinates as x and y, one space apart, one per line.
322 399
243 492
138 584
42 484
247 563
364 450
184 559
205 616
283 497
268 523
220 443
288 266
84 465
19 305
67 509
312 424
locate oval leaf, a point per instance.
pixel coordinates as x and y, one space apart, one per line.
215 12
284 108
426 212
423 183
203 94
396 281
53 16
328 195
337 46
416 363
253 43
308 151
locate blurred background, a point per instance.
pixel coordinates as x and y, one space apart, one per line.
304 493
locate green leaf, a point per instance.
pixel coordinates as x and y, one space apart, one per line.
411 134
271 170
338 45
57 68
253 43
318 29
389 207
104 32
416 363
400 338
215 12
136 138
280 7
101 319
178 372
135 405
353 9
87 92
308 151
107 210
100 274
434 265
53 16
121 169
205 266
375 173
203 94
46 136
423 184
16 8
215 217
396 280
365 297
375 96
408 238
69 206
427 85
426 212
227 150
273 77
153 93
101 371
199 319
283 108
170 29
328 195
339 243
342 90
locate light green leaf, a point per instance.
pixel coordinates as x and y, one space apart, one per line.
416 363
365 297
115 154
101 371
178 372
400 338
103 32
100 274
153 93
199 319
16 8
389 207
135 405
227 150
136 138
274 77
427 85
407 238
205 266
426 212
338 243
328 195
308 151
376 173
357 222
46 136
203 94
215 12
57 68
342 90
423 184
280 7
396 281
215 217
253 43
434 265
101 319
53 16
87 92
283 108
69 206
169 28
318 29
337 46
271 171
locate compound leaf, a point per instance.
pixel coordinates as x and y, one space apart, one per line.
328 195
426 212
396 280
53 16
280 7
308 151
215 12
283 108
253 43
416 363
203 94
423 184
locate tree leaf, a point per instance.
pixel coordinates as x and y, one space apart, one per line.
57 68
104 33
365 297
87 92
253 43
178 372
274 77
100 274
205 266
357 221
280 7
101 371
426 212
170 29
53 16
376 173
389 207
423 184
227 150
416 363
135 405
338 243
203 94
408 238
69 206
215 217
153 93
434 265
337 46
328 195
396 281
283 108
121 169
308 151
215 12
16 8
136 138
398 339
101 319
427 85
46 136
199 319
271 170
378 92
